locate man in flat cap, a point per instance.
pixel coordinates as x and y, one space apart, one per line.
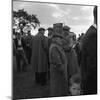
66 30
58 63
39 58
28 40
50 32
20 53
89 58
41 30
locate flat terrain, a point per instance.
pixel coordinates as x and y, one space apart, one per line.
24 85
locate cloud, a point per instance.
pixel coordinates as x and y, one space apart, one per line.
57 15
54 6
78 17
85 8
75 18
78 29
58 12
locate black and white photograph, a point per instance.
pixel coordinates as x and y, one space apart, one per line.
54 49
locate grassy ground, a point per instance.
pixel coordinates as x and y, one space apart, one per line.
24 85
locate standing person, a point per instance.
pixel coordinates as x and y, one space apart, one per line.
20 54
14 50
28 50
70 36
89 58
78 52
58 64
72 66
70 52
39 56
66 30
50 34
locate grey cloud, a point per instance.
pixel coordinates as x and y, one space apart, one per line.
69 12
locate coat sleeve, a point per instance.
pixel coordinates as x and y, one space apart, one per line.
73 67
44 43
55 57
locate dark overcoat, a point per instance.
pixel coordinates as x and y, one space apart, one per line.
89 61
39 60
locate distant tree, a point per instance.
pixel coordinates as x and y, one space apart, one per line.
23 19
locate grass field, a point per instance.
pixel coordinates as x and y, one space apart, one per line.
24 85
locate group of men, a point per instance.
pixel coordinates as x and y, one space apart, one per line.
55 60
22 50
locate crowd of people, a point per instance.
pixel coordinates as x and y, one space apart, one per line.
68 64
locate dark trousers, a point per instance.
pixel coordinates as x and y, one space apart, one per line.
41 78
28 54
20 58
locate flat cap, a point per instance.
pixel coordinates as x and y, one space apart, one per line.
50 28
40 29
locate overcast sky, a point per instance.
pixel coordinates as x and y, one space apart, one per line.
78 17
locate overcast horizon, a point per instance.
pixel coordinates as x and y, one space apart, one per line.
78 17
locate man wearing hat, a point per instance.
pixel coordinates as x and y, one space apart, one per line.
20 54
39 56
50 32
66 30
60 68
28 41
58 63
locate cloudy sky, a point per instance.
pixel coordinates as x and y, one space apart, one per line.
78 17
